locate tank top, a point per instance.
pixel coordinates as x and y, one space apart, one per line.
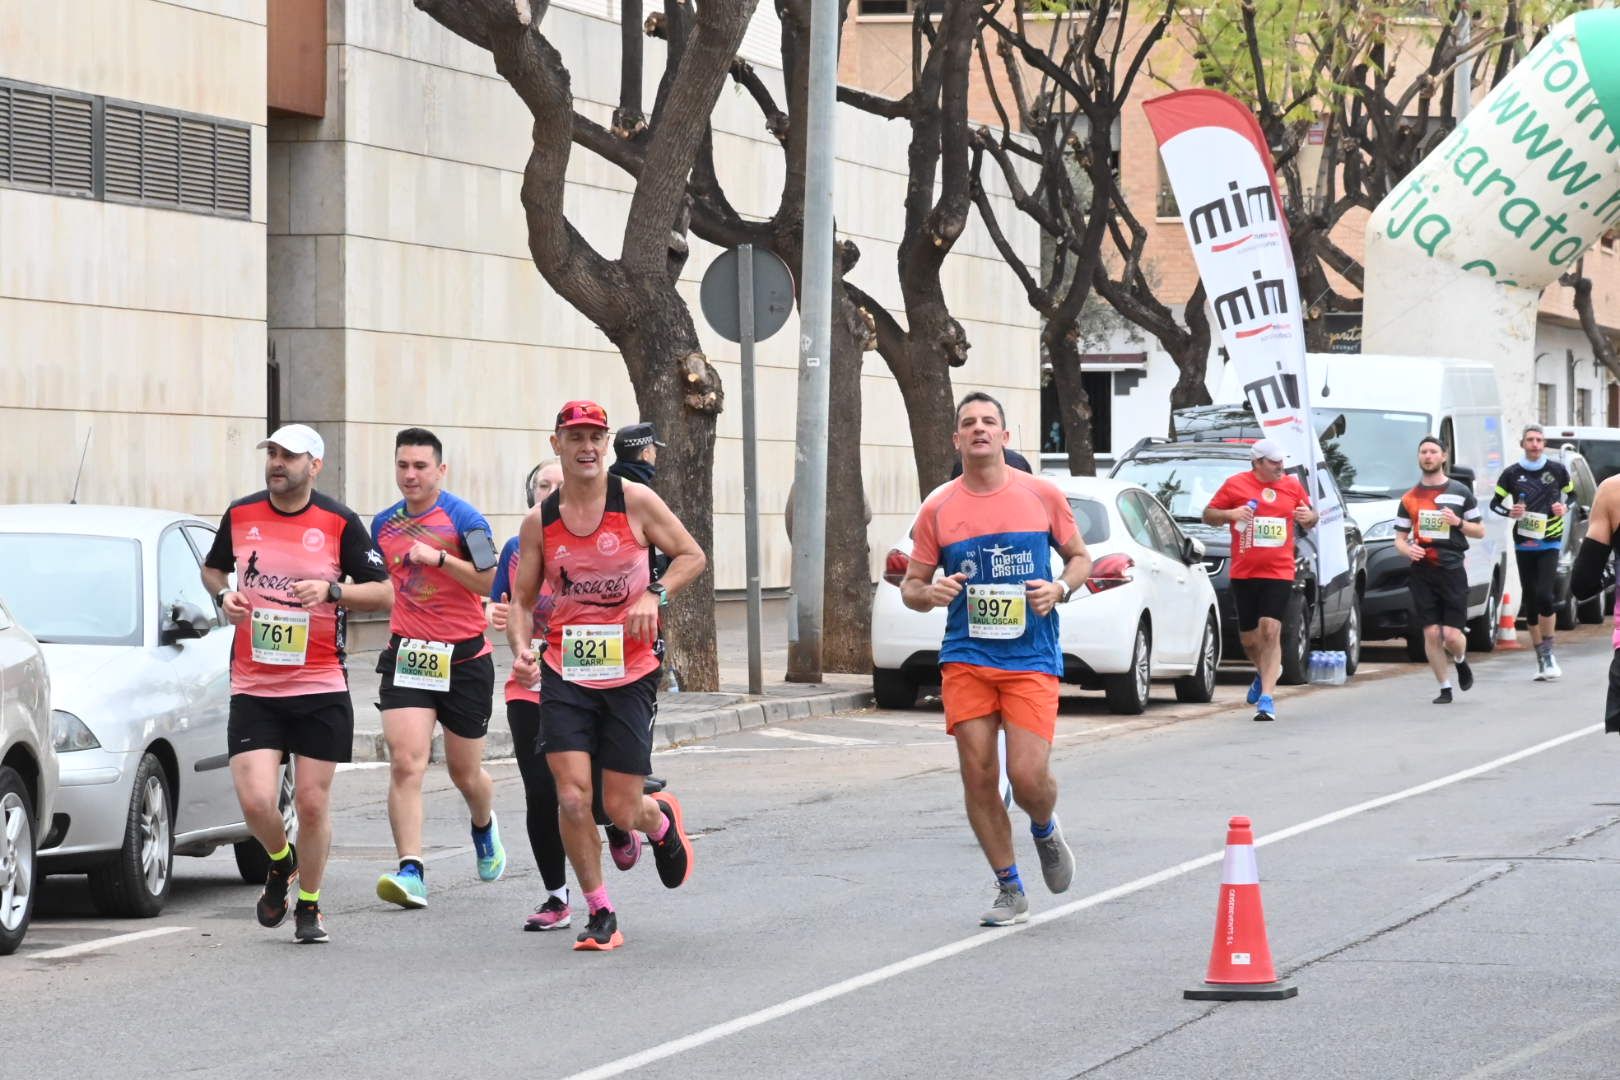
595 579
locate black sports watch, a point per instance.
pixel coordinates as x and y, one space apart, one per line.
658 590
334 593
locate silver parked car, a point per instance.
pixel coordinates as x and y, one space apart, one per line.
139 659
27 775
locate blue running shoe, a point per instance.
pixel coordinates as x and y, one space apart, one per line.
1254 692
1264 709
404 887
491 855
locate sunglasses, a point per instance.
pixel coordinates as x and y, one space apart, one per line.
587 412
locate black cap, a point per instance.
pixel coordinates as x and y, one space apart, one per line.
633 438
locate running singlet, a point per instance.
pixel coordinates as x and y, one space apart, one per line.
999 541
1539 529
1422 514
595 580
505 575
429 604
285 649
1266 548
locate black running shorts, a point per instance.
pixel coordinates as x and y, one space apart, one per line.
319 726
1260 598
614 726
463 710
1439 596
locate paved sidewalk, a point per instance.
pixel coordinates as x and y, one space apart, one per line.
682 716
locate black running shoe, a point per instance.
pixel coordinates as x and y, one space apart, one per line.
272 905
1465 675
673 853
601 933
311 928
1444 698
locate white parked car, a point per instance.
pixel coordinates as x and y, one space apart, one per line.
1146 612
28 778
139 659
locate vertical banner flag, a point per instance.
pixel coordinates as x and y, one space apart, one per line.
1220 170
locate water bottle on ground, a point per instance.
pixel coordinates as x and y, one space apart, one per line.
1338 669
1318 668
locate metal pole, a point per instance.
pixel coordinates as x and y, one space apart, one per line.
745 308
815 342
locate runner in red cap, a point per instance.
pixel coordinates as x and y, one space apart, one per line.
599 675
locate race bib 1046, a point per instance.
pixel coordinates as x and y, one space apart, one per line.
280 637
423 665
1270 532
1432 525
995 612
1532 526
592 653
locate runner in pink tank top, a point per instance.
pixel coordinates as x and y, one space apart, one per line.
599 678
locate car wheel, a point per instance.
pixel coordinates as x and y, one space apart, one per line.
1296 642
1127 693
892 689
1348 639
1482 631
18 868
1199 687
1565 618
135 882
252 861
1415 649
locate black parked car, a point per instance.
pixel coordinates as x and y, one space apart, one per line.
1184 476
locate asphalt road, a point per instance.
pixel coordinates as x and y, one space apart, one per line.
1441 883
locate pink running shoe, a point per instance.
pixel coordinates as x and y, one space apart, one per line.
625 848
551 915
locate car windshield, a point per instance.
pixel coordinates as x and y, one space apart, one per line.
1183 485
1372 453
1603 456
1092 519
73 590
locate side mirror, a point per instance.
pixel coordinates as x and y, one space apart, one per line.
185 620
1192 550
1463 474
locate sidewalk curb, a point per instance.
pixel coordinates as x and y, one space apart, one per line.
745 713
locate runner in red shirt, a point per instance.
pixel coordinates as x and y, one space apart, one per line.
599 673
290 548
1262 507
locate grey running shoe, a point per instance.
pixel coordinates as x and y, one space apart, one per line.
1550 669
1011 906
1057 861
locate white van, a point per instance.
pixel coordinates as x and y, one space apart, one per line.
1372 411
1600 446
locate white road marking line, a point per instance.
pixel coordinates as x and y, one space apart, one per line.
104 943
884 721
812 737
1092 731
944 952
1536 1049
674 750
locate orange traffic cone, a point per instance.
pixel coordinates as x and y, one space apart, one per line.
1240 966
1507 637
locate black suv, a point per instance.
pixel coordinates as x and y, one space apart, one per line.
1184 476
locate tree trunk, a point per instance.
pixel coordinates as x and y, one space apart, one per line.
1191 355
924 378
1074 404
679 392
846 625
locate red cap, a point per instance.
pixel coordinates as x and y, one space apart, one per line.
582 414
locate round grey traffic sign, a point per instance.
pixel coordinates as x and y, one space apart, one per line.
772 293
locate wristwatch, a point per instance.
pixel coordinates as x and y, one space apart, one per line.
219 597
442 556
1068 591
334 593
658 590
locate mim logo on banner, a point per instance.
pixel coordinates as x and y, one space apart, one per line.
1219 167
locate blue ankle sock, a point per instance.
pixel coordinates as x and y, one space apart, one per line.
1009 876
1041 832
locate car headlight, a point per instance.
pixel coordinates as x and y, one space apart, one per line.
69 733
1384 530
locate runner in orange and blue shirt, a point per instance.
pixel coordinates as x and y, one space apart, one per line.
437 667
992 531
290 548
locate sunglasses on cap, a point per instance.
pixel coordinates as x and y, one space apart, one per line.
582 414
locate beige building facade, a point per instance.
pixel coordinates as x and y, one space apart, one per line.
382 279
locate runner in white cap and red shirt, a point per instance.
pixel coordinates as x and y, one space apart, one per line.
1263 507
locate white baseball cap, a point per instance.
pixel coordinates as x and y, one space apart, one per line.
1267 449
297 439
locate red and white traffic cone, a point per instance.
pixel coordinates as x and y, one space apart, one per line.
1507 636
1240 967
